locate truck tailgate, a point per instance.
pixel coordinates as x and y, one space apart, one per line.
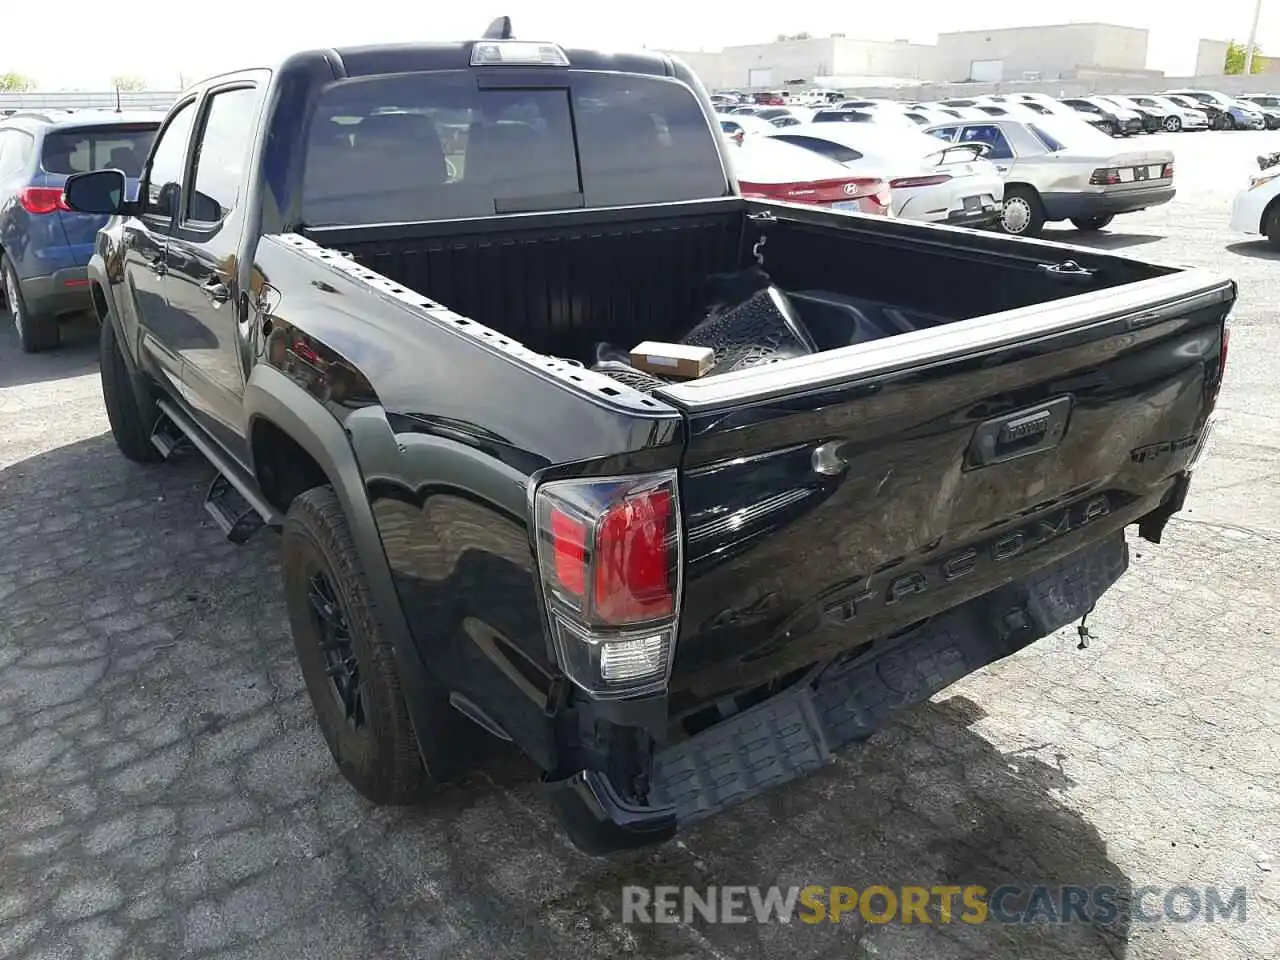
840 498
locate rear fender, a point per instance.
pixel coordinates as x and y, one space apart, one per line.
271 395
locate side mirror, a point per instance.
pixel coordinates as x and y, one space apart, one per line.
100 191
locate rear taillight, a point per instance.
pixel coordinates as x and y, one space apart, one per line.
1167 172
1105 177
42 200
609 562
903 183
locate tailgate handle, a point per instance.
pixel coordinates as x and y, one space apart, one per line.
1019 434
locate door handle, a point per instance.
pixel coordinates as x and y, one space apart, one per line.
216 291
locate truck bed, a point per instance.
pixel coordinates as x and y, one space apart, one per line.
981 407
561 283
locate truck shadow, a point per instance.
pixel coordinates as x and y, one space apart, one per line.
1109 240
76 355
161 774
1255 249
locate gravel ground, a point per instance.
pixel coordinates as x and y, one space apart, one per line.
164 792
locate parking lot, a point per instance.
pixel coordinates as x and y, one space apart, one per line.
164 792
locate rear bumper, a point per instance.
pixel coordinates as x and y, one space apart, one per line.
799 730
979 218
1065 206
62 292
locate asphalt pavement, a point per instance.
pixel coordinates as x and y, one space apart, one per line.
164 792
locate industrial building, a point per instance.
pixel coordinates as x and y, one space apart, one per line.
1061 52
764 65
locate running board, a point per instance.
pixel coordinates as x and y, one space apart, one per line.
233 500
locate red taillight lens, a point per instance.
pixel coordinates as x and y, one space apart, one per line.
42 200
569 549
1167 172
633 569
1105 177
903 183
609 561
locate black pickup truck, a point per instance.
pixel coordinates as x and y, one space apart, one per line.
371 286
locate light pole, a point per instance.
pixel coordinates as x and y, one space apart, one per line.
1253 38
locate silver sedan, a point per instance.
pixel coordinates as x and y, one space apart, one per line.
1060 168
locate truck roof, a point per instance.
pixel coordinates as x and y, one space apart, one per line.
385 58
420 57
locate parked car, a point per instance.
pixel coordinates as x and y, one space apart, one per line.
1256 208
1218 119
843 116
739 126
1235 115
1177 116
1270 115
1154 120
928 181
1266 104
770 168
669 595
1107 117
1061 169
44 246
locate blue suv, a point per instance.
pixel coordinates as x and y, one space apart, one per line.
44 246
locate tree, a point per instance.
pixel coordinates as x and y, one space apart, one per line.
1235 58
127 83
16 83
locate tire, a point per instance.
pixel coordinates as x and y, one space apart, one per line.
370 737
1271 224
1228 122
1173 124
1027 212
35 331
132 416
1092 224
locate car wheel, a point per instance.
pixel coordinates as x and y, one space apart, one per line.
1271 224
1228 122
345 654
1173 124
1091 224
131 413
1023 214
35 331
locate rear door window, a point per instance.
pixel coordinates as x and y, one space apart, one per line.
124 148
990 135
441 146
836 151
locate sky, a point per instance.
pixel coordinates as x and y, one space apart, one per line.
95 41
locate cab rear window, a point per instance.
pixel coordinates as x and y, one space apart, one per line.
434 146
123 148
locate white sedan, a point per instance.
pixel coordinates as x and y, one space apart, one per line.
950 185
1256 209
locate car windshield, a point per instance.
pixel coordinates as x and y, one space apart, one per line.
432 146
767 160
1074 134
881 141
123 147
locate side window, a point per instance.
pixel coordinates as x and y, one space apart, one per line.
164 179
944 133
993 137
221 155
16 152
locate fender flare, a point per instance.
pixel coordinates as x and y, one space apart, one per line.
272 396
